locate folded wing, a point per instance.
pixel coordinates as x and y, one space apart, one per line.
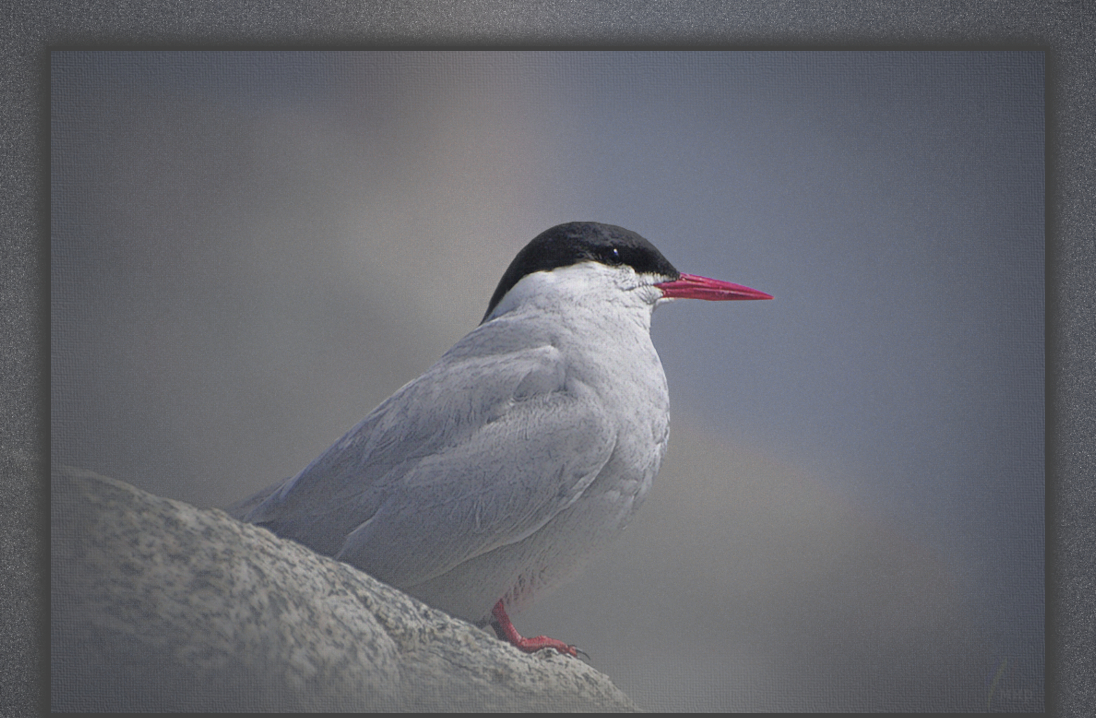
481 451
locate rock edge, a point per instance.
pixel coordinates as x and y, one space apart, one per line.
157 605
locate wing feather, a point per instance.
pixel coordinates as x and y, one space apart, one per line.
481 451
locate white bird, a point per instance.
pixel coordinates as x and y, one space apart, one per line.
494 476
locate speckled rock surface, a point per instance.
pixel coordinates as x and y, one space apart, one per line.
157 605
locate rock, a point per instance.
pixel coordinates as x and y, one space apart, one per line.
161 606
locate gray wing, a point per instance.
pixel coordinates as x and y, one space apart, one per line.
479 452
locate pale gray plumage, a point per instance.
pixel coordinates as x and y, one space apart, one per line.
520 453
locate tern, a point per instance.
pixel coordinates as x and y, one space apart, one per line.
495 476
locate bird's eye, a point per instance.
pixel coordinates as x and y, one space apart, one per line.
614 256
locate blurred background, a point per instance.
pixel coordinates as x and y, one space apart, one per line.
252 250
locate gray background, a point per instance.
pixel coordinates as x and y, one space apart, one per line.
249 251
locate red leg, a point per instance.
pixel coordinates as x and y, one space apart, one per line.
506 631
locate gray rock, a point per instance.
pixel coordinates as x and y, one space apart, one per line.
160 606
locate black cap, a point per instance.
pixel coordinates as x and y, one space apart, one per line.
574 242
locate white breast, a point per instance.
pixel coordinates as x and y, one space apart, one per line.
605 346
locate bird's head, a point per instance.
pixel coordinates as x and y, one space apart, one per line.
607 258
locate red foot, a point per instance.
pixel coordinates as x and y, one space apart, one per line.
506 632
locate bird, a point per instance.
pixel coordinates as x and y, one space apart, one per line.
522 452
